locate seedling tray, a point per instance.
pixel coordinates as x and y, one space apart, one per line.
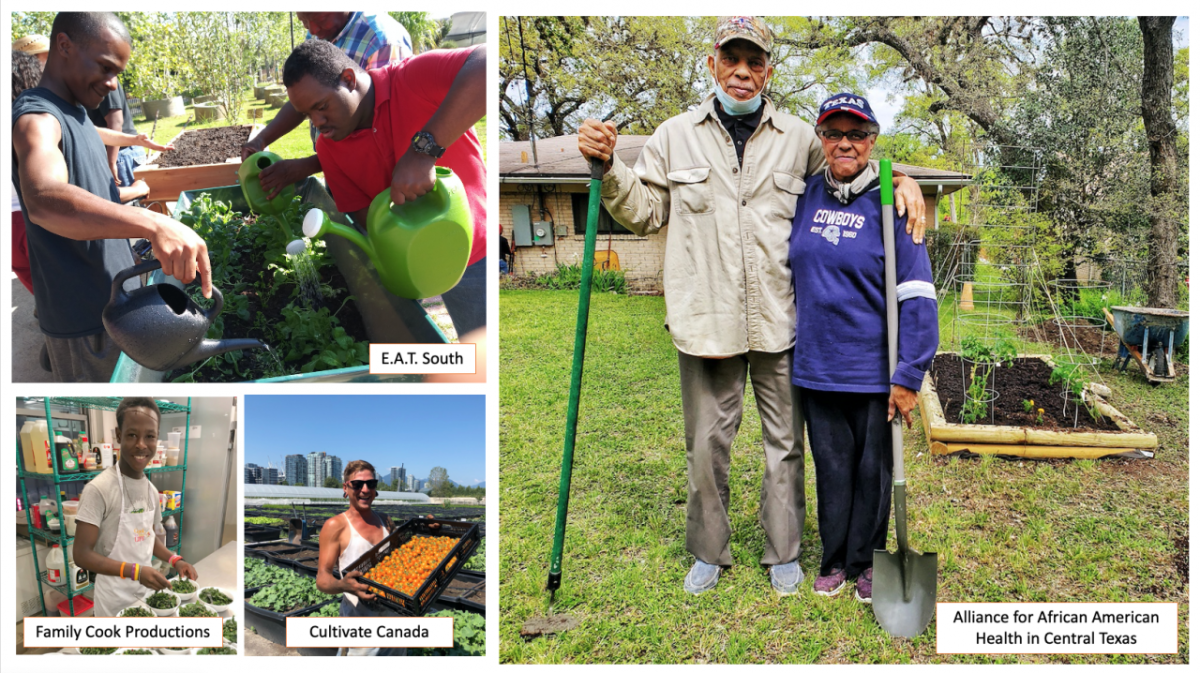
260 533
273 625
469 603
438 580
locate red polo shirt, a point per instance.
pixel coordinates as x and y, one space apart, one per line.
407 94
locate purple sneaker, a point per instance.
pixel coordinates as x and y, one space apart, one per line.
862 586
830 585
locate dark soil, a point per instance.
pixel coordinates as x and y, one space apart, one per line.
273 547
206 146
302 554
1181 558
1077 335
255 363
459 587
1026 379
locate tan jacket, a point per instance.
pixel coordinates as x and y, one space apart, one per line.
726 275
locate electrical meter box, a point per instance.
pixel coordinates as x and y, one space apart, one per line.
528 233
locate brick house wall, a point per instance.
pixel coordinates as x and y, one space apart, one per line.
641 257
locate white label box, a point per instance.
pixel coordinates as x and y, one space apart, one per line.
370 632
422 359
123 632
1057 628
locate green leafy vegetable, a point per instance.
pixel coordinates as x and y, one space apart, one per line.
196 610
478 560
264 521
215 597
137 652
182 587
97 650
162 600
231 630
469 637
260 574
136 612
217 650
289 594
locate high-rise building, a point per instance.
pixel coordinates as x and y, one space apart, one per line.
270 475
316 469
398 476
295 471
253 474
412 482
333 468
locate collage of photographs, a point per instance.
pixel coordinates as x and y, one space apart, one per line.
508 271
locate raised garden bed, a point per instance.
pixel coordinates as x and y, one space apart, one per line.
202 159
1014 429
313 341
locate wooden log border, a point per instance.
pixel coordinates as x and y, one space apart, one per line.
945 437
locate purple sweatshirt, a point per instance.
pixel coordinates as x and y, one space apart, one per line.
836 253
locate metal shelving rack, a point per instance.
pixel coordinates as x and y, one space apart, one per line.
62 539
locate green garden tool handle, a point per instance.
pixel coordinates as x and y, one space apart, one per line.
581 321
893 335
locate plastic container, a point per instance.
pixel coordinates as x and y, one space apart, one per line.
65 454
173 457
55 525
28 450
78 576
433 586
173 439
56 567
70 507
106 456
39 437
69 519
80 605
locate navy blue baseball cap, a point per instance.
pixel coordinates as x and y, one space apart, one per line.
846 102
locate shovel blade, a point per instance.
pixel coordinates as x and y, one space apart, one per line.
904 591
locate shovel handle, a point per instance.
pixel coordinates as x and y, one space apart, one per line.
893 308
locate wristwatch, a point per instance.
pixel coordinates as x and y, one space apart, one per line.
424 143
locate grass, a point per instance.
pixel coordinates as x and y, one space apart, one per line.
1067 531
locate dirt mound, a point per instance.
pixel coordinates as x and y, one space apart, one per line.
206 146
1078 335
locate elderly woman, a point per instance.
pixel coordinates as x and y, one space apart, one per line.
841 357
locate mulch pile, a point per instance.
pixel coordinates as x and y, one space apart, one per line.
206 146
1076 335
1026 379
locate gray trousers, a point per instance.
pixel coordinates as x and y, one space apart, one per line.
713 392
89 359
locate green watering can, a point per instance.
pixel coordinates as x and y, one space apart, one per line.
420 248
253 191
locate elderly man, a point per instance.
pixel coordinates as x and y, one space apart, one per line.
370 40
78 233
728 175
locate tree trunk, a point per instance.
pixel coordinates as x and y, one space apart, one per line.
1162 275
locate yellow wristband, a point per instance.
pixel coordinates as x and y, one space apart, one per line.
137 567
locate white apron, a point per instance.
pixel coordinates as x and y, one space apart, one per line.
135 544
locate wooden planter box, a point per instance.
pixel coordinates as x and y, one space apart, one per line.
1033 442
167 183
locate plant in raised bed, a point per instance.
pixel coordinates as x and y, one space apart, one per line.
982 357
478 560
196 610
331 610
264 521
1072 381
469 637
306 318
260 574
288 594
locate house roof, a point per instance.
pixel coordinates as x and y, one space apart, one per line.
559 160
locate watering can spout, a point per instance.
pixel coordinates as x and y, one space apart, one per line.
318 224
210 347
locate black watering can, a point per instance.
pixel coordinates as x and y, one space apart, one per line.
160 327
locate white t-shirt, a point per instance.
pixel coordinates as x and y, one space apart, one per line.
100 505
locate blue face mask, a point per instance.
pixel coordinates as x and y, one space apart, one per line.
734 107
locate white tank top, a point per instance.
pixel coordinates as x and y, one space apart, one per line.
358 545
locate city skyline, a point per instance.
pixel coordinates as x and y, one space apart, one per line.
426 431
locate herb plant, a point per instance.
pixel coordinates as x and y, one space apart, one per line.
469 637
289 594
182 587
97 650
478 560
162 600
1028 404
215 597
217 650
137 652
136 612
196 610
230 630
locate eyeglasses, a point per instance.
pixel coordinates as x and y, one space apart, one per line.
357 484
835 136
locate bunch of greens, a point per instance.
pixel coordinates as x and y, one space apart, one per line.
97 650
251 261
289 594
260 574
137 652
196 610
330 610
469 637
162 600
478 560
136 612
217 650
264 521
231 629
182 587
215 597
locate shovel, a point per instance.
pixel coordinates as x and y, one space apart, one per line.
904 585
544 626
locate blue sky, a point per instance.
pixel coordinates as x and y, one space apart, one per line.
421 431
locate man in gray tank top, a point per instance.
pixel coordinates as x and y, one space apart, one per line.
76 228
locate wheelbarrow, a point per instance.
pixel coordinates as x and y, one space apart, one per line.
1148 335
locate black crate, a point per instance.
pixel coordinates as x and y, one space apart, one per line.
255 533
273 625
437 581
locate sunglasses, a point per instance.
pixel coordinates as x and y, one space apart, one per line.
357 484
854 136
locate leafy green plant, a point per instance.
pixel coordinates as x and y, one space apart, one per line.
216 650
196 610
975 399
97 650
215 597
162 600
469 637
138 651
136 612
182 587
230 630
260 574
264 521
289 594
1028 404
570 276
478 560
330 610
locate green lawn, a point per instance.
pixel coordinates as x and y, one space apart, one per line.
1068 531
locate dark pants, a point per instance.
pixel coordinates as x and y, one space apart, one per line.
851 445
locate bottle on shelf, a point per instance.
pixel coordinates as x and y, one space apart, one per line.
65 453
56 567
172 531
40 444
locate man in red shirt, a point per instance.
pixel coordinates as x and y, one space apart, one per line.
388 128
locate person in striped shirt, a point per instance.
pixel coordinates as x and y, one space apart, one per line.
370 40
